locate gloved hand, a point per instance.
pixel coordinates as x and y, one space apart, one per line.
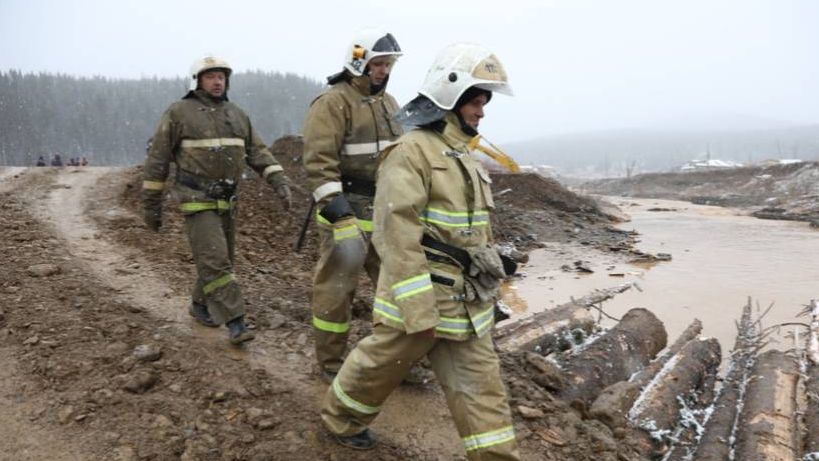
153 218
484 288
283 191
486 260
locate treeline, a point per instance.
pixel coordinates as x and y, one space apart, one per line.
108 121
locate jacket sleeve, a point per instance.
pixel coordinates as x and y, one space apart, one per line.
262 161
324 130
165 141
401 196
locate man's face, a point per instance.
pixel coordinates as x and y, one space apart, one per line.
472 112
379 69
213 82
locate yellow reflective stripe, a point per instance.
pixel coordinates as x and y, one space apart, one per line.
346 232
412 286
455 218
454 325
484 320
366 226
213 142
488 439
331 327
388 310
218 283
351 403
322 220
271 169
193 207
153 185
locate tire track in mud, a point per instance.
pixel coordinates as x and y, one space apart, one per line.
412 417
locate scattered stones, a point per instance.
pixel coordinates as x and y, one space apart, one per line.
31 341
530 413
277 320
265 424
162 421
64 415
147 353
140 381
43 270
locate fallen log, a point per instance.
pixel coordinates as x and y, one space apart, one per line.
545 331
614 356
678 386
811 417
768 427
613 404
718 436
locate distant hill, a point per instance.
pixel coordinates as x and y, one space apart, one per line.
109 120
612 153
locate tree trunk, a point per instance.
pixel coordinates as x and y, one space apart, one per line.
717 440
615 356
613 404
543 332
768 427
812 385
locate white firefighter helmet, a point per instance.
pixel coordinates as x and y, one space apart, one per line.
369 44
459 67
205 64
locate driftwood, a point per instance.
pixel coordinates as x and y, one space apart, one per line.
614 356
811 417
613 404
768 426
717 440
544 331
680 384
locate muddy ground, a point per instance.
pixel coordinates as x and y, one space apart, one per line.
101 362
789 192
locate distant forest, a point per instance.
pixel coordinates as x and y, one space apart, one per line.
109 120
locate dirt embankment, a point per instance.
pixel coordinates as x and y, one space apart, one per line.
103 363
775 192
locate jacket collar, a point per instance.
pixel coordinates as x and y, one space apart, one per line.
362 85
453 135
206 99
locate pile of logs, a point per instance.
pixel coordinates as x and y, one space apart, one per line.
626 377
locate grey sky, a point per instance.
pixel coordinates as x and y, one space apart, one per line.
575 65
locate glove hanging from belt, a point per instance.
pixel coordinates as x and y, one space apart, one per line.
482 280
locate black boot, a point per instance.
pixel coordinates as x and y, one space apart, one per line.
362 441
238 331
200 313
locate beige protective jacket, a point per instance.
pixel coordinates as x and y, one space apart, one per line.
429 183
210 139
345 129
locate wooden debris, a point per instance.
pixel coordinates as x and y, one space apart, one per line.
811 417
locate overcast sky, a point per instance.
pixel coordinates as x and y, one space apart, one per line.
575 65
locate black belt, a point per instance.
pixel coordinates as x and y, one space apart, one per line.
353 185
220 189
460 255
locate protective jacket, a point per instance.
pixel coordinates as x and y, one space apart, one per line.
345 130
209 140
429 183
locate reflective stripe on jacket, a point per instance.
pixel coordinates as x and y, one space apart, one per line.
430 183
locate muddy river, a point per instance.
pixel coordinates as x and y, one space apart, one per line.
720 258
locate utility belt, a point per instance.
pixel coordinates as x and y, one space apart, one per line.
219 189
360 186
459 255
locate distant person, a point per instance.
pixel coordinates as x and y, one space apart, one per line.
439 274
84 162
41 161
72 161
210 140
56 161
346 128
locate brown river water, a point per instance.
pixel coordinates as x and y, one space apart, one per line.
720 258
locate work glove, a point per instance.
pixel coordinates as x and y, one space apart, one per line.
486 260
153 218
283 191
485 289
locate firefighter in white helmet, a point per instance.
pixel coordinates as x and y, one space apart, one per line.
211 141
346 128
439 275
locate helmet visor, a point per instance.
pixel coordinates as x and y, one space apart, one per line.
386 44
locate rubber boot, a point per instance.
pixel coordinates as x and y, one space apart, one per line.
238 332
362 441
200 313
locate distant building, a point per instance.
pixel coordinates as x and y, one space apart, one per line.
709 164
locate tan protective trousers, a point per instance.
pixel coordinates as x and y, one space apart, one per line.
469 373
212 237
334 285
